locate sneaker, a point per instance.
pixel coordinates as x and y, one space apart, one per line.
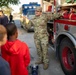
38 62
45 66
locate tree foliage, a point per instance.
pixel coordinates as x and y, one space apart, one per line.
47 0
7 10
7 2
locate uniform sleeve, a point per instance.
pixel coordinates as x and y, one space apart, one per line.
28 26
49 16
56 16
27 57
52 16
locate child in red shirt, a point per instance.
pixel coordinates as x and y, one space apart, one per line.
16 52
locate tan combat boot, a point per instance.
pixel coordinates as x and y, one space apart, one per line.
45 66
38 62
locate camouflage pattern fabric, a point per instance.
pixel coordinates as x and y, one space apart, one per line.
41 34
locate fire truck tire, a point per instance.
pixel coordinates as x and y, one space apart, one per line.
67 57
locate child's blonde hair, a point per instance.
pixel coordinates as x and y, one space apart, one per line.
2 32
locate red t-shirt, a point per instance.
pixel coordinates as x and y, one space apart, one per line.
18 56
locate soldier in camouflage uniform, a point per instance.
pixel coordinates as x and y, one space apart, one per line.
41 35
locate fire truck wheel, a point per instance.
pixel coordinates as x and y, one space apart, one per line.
67 56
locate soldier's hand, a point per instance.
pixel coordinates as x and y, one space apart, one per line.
27 20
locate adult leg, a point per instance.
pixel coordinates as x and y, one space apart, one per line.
44 45
39 50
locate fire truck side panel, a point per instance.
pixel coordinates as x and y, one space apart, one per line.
63 29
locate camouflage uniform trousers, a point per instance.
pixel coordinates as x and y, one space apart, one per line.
42 49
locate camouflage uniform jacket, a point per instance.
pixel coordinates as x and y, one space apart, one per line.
40 24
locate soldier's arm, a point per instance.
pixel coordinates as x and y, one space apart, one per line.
29 24
57 16
52 16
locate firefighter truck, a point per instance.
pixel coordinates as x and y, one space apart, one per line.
64 35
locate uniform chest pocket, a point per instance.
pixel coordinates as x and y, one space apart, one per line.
43 22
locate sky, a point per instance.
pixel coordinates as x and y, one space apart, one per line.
16 7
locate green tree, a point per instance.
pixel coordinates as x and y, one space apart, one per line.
7 2
7 10
47 0
70 1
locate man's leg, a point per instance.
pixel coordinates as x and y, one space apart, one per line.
44 45
39 50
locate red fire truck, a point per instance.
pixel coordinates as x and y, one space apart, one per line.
64 35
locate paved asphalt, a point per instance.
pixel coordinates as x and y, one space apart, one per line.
54 65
